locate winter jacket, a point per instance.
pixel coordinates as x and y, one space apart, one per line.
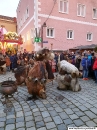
86 63
95 64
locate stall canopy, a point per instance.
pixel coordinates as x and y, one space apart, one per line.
84 47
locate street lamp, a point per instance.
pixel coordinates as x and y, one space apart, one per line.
43 25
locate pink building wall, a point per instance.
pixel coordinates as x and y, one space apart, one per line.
61 22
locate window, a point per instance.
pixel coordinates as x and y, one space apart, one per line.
95 13
70 34
63 6
89 36
50 32
27 13
32 33
81 10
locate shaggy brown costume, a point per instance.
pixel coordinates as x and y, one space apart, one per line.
33 81
20 74
35 89
2 68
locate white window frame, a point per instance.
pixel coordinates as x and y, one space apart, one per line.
93 13
91 36
81 10
53 32
69 34
67 6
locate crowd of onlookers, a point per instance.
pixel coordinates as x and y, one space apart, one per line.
85 61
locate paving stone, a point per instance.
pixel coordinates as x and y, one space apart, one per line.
20 119
82 108
84 118
48 119
73 116
95 120
57 120
68 111
10 121
20 124
19 114
30 124
10 116
50 125
90 114
40 124
45 114
1 128
2 119
42 128
53 113
78 122
29 118
38 118
35 110
94 110
62 127
37 114
59 109
42 109
50 108
79 113
28 113
10 127
68 121
2 124
91 124
21 129
32 128
63 115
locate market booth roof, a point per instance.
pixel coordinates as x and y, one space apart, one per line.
10 37
83 47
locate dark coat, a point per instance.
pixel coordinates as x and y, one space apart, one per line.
49 70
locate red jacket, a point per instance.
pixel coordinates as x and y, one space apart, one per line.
95 64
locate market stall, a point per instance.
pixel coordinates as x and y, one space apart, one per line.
9 41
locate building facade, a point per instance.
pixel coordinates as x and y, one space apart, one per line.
9 23
67 23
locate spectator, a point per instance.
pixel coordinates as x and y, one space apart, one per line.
8 62
86 63
95 68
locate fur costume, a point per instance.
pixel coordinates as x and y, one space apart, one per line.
44 54
68 77
36 80
2 67
21 73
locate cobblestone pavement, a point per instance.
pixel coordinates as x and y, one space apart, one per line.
59 111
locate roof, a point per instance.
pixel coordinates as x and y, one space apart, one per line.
92 46
8 18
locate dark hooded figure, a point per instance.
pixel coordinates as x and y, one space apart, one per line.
49 70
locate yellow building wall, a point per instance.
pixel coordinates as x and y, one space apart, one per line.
9 25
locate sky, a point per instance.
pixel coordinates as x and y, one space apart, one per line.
8 7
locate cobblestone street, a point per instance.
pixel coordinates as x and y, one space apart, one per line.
61 109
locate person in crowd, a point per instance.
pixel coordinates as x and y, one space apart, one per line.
86 63
8 62
13 59
56 60
77 61
90 58
95 68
